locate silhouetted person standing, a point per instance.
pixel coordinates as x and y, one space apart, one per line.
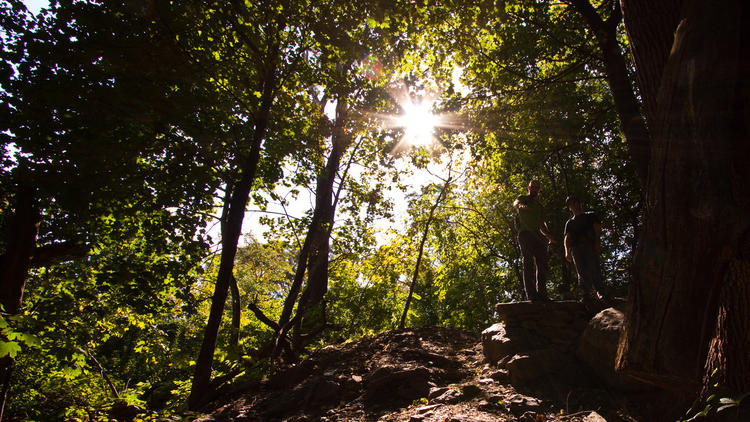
583 247
533 246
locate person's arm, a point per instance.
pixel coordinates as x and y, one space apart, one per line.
598 237
546 232
568 257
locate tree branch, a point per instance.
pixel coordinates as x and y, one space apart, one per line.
262 317
57 253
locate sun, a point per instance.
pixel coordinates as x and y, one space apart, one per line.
419 123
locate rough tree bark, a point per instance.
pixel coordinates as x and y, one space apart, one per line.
690 302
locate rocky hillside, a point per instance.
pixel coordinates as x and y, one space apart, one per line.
524 369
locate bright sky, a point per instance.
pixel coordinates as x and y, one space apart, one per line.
36 5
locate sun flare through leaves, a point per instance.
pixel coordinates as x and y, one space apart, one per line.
419 123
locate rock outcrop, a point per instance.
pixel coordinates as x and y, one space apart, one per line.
563 340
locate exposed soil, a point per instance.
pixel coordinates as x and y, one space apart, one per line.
425 374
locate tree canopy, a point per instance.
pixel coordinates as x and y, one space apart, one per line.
393 136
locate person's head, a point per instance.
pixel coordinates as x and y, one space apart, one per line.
573 204
534 187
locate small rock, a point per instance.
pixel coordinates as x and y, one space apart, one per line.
469 391
486 381
529 417
496 398
392 385
450 396
534 364
424 409
520 405
322 392
485 405
594 417
496 344
501 376
504 361
437 392
123 411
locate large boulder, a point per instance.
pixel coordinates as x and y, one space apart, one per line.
597 348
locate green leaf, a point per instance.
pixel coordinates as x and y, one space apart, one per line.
30 340
9 348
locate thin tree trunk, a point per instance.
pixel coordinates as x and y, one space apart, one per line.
6 365
320 224
299 276
320 233
317 279
231 229
234 339
284 321
623 94
415 275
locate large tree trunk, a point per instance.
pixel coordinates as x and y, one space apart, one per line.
650 26
690 301
20 249
15 262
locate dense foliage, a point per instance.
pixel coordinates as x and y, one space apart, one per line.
131 124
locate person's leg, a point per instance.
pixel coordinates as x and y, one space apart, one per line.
597 281
542 267
580 260
525 241
586 264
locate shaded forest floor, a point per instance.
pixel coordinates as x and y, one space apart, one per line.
425 374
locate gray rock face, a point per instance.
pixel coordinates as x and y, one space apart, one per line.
597 348
496 343
531 326
598 343
535 340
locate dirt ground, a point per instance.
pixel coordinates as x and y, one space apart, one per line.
426 374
